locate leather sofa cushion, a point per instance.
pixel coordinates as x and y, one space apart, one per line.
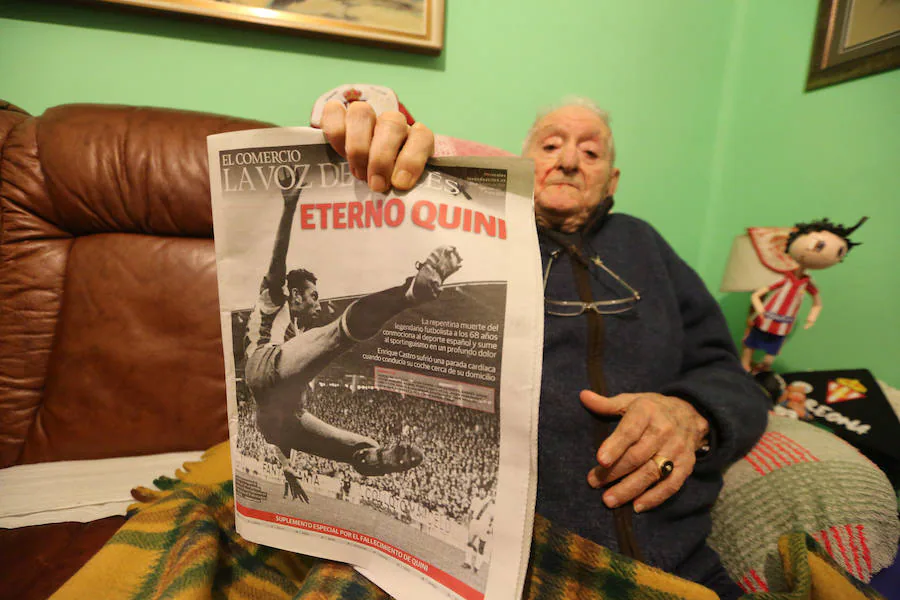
108 299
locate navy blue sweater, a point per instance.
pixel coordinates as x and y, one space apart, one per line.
675 342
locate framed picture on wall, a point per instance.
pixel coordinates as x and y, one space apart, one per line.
854 38
414 25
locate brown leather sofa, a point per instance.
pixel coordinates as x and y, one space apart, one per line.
110 342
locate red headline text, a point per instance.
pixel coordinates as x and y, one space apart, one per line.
392 212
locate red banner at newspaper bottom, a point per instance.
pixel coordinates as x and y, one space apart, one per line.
445 579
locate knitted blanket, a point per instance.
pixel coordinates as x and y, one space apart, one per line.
180 542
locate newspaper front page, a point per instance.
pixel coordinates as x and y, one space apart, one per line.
382 356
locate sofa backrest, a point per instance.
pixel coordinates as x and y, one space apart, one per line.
110 343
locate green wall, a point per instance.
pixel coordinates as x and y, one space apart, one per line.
789 156
657 67
713 130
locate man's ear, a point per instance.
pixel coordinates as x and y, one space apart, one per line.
613 182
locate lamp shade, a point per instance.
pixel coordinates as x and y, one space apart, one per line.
745 272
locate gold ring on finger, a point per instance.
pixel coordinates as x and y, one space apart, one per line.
664 465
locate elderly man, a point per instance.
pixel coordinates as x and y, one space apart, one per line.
630 331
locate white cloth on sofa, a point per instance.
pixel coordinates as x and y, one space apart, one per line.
79 490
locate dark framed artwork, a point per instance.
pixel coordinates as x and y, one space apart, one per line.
414 25
854 38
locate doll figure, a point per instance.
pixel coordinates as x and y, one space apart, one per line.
816 245
794 398
785 397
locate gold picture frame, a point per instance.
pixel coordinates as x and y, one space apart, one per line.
413 25
854 38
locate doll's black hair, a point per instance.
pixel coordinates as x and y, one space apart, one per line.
825 225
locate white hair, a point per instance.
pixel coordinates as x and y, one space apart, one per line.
583 102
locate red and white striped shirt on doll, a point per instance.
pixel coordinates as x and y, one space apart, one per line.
783 305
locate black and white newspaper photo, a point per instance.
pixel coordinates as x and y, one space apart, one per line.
383 361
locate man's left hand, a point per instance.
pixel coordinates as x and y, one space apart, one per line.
652 425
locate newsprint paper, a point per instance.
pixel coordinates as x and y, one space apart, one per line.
382 355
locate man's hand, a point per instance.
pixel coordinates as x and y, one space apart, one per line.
651 425
383 151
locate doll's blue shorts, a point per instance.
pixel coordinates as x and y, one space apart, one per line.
770 343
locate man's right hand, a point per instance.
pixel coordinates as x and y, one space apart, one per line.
383 151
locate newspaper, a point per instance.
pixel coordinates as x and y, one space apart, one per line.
382 357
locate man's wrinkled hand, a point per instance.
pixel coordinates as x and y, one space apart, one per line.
651 425
383 150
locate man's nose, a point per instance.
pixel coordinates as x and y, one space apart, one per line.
568 158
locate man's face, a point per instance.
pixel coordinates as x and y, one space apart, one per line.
572 171
305 303
818 250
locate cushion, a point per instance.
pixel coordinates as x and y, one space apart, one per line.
802 477
111 338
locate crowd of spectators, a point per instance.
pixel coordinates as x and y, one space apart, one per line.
250 441
460 444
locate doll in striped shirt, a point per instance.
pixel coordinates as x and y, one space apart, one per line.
816 245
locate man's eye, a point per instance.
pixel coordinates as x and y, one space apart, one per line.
592 154
549 147
820 245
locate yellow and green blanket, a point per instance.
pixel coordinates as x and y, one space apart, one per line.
180 543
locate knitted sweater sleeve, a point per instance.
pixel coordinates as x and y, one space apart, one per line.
711 377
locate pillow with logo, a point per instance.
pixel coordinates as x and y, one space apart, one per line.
801 477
